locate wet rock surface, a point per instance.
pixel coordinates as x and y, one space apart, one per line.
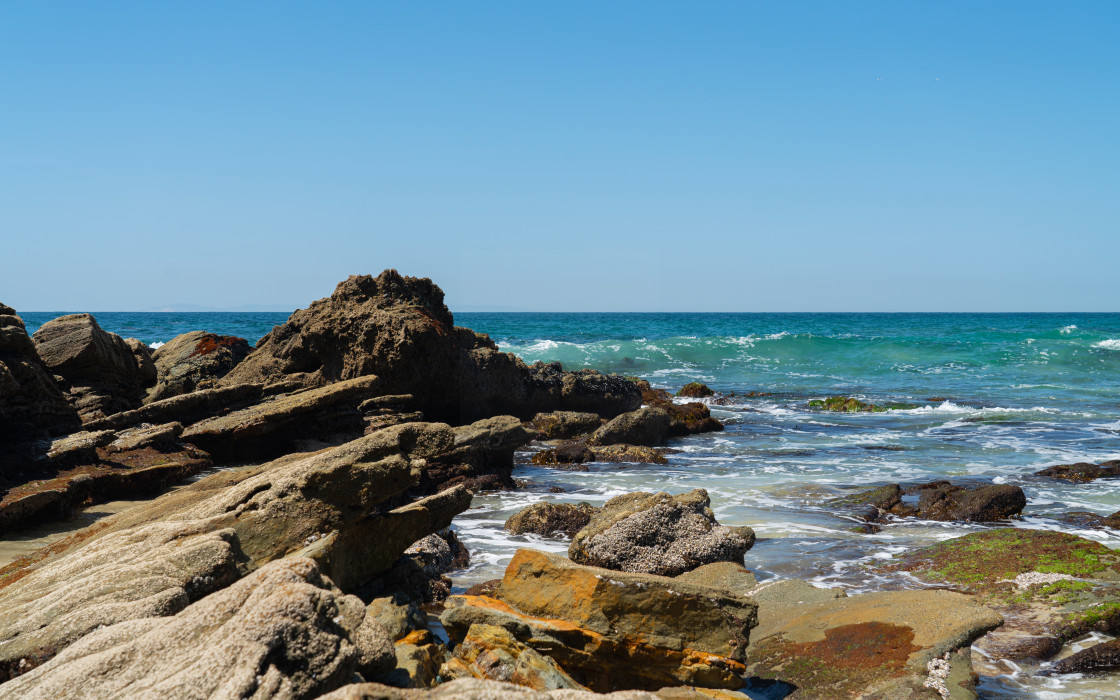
1051 586
656 533
551 519
1083 472
939 500
195 360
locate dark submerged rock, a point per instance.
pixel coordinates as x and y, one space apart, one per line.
695 390
845 404
939 500
1101 657
551 519
1082 472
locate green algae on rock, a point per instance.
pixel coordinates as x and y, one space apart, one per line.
845 404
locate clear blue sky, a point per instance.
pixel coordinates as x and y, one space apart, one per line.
720 156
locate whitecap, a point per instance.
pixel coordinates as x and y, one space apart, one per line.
1109 344
157 345
1066 330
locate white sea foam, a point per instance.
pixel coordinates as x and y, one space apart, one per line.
157 345
777 336
1110 344
1068 329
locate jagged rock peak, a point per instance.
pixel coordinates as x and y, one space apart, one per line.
390 287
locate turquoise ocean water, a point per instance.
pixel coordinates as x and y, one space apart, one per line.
999 397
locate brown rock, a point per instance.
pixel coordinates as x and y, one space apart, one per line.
99 372
31 406
272 426
195 360
695 390
944 501
186 409
564 425
646 426
399 329
1082 472
551 519
482 457
1100 657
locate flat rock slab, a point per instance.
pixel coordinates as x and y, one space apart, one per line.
284 631
275 423
852 646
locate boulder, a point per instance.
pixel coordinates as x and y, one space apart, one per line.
419 573
1097 658
284 631
609 630
272 426
32 407
97 370
695 390
1053 586
885 645
568 452
195 360
551 519
564 425
939 500
576 452
399 329
945 501
656 533
646 426
1082 472
632 454
481 458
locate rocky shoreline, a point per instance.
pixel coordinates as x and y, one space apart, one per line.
360 428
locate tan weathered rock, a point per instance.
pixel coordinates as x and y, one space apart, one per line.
551 519
647 426
611 630
272 426
475 689
98 370
139 438
564 425
657 533
283 631
150 571
186 409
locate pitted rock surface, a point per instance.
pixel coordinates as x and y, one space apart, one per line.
656 533
195 360
283 631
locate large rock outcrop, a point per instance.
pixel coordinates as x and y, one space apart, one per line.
32 407
938 500
399 329
610 630
656 533
99 372
284 631
195 360
331 507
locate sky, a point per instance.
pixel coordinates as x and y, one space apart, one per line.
574 156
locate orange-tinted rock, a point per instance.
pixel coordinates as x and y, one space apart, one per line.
610 630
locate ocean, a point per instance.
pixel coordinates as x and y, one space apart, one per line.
996 398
